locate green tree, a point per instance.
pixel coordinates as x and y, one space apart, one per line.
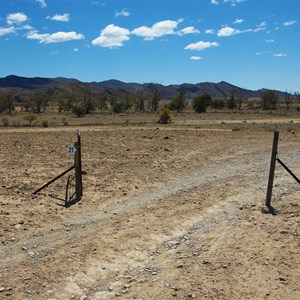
142 97
78 109
39 102
231 103
178 103
118 106
129 101
218 104
288 99
269 99
30 118
155 97
6 103
200 103
102 103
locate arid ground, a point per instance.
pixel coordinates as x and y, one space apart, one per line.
168 211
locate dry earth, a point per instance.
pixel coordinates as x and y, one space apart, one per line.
168 212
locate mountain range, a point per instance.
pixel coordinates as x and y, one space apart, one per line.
17 86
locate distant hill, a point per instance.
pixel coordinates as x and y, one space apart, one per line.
114 88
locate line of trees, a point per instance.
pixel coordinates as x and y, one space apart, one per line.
83 101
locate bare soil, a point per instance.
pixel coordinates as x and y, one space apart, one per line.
168 211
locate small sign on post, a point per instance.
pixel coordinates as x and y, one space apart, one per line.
71 149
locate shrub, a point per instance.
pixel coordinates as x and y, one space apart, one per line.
30 118
5 122
218 104
118 107
45 123
165 116
65 121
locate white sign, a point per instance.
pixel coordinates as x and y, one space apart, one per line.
71 149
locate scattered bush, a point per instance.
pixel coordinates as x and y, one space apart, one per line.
5 122
218 104
65 121
30 118
45 123
165 116
118 107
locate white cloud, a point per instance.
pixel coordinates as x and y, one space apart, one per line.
195 58
262 24
269 41
122 13
289 23
209 31
230 2
75 50
58 37
4 31
279 55
157 30
42 3
16 18
228 31
112 36
188 30
233 2
238 21
60 18
201 45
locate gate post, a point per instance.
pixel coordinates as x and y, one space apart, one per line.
271 173
78 168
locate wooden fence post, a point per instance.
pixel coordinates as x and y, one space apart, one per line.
78 168
272 172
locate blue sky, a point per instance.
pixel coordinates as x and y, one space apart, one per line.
249 43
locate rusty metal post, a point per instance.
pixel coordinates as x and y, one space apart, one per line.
78 168
52 180
272 172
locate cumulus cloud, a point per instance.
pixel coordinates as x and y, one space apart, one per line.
60 18
289 23
58 37
195 58
112 36
157 30
42 3
188 30
122 13
228 31
209 31
201 45
215 2
4 31
16 18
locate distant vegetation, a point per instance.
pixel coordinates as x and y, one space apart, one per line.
80 101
